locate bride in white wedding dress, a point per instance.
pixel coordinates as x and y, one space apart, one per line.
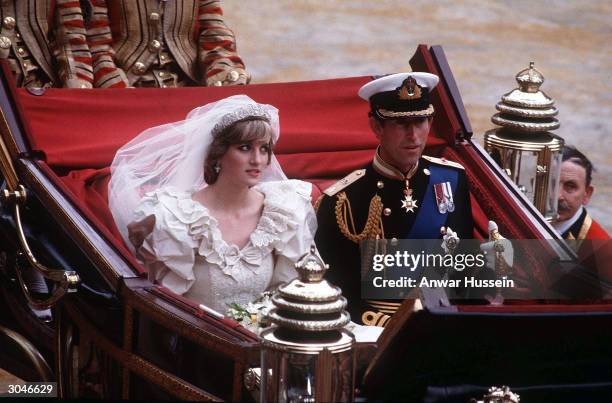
206 206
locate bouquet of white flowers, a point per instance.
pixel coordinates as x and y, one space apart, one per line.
252 315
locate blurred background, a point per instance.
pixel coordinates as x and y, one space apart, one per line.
486 43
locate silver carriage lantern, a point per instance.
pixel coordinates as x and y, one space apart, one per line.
524 147
308 356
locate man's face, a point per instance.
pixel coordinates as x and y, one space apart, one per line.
401 140
573 191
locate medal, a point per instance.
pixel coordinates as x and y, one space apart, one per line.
444 197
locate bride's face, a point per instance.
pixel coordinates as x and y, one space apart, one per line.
243 163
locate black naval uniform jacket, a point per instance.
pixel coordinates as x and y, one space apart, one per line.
360 187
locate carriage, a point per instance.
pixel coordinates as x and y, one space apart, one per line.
110 325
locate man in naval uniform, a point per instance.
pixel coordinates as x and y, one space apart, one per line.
401 194
44 42
160 43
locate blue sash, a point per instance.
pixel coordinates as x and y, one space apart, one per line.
429 219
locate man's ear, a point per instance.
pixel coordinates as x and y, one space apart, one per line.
376 126
588 192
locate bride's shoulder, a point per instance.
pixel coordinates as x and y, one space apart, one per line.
288 202
170 203
286 215
286 191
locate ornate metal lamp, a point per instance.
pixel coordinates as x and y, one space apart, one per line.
524 147
307 356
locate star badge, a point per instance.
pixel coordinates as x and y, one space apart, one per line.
409 204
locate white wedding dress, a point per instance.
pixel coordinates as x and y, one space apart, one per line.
186 253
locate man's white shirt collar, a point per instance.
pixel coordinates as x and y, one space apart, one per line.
562 226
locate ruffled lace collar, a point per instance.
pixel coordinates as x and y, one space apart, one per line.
204 229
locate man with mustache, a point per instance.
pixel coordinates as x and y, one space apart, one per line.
401 194
575 191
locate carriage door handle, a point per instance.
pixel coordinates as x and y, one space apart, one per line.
66 281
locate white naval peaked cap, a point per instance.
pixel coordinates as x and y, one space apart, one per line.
394 81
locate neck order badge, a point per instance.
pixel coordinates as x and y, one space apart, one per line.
409 203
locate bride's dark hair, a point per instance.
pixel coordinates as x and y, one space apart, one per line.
243 131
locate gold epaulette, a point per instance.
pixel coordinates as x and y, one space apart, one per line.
443 161
344 182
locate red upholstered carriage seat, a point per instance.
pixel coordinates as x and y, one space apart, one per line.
324 133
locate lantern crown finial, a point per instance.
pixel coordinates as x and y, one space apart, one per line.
310 267
530 79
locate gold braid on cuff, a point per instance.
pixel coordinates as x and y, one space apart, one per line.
372 318
373 226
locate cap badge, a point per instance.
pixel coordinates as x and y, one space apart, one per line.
409 89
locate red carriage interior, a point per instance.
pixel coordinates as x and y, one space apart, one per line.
324 134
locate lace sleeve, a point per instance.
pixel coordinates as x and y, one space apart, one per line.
295 242
161 237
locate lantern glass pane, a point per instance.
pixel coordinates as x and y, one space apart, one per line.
287 377
525 165
553 186
300 376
